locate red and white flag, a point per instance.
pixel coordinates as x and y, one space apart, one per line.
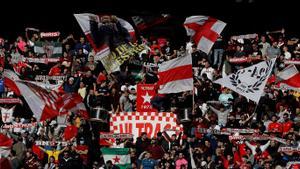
73 102
204 31
41 102
5 145
44 103
176 75
145 93
290 78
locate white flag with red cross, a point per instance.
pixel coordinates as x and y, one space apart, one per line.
7 114
204 31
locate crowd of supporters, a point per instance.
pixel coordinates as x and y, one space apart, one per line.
212 107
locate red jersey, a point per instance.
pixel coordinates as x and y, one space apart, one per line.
275 127
84 157
242 149
70 132
286 126
237 157
54 71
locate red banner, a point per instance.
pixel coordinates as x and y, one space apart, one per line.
10 101
26 125
295 62
243 60
145 93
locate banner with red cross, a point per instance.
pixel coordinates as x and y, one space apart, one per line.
150 122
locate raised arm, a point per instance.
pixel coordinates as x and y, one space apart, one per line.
252 147
214 109
264 147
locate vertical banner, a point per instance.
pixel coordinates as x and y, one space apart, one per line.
145 93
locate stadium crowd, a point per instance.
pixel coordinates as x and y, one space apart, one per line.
212 107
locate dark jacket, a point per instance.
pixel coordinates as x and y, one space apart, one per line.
66 163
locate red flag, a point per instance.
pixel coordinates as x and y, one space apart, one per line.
106 141
70 132
5 141
5 145
145 93
37 151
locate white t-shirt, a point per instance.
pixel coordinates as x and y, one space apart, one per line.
287 55
209 72
264 48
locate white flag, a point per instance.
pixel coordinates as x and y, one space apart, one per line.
250 81
7 114
204 31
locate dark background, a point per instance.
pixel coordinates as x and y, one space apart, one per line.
241 16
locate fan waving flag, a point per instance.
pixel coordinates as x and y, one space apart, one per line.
204 31
250 81
290 78
118 156
176 75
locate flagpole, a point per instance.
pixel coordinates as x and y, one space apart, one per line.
193 109
255 115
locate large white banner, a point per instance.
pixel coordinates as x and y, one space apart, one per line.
137 122
250 81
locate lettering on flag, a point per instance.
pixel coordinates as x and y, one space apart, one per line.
46 78
137 122
145 93
116 58
250 81
111 38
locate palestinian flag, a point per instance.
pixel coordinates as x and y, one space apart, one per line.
118 156
51 49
